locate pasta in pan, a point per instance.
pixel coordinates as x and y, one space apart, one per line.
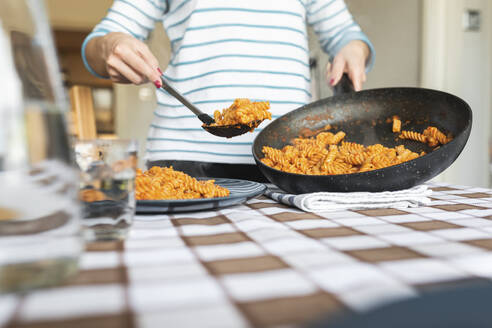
166 183
328 154
396 124
413 136
431 135
433 132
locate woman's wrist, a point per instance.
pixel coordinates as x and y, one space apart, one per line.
94 52
363 47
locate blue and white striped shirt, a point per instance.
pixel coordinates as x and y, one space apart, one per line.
222 50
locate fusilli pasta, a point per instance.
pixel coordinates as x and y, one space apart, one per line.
243 111
436 135
91 195
396 124
166 183
412 135
327 154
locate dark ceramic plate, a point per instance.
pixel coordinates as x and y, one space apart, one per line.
241 191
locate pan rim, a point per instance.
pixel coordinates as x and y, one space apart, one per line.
375 90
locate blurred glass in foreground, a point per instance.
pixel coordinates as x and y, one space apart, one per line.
107 187
40 239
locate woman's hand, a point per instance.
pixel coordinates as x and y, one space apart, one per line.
123 58
350 59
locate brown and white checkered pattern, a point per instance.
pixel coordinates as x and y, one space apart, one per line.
264 264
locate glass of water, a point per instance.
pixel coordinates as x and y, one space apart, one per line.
107 187
40 233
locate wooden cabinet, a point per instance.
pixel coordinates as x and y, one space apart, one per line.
68 45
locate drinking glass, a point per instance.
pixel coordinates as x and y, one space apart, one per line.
107 187
40 233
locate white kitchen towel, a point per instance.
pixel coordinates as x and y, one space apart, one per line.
338 201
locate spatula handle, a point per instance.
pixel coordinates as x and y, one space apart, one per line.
344 86
205 118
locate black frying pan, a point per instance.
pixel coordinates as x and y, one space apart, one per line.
362 116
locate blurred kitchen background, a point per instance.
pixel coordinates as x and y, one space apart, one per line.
438 44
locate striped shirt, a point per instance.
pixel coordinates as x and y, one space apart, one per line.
227 49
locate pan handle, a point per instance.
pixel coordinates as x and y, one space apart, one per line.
344 86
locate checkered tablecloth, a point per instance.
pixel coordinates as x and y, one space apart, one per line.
263 264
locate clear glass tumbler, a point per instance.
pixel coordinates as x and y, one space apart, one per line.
40 232
107 187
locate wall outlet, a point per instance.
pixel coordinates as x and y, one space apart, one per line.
472 20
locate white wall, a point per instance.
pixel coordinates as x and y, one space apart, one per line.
394 27
76 15
458 62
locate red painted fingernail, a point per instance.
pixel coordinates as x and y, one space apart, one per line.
158 84
159 70
332 81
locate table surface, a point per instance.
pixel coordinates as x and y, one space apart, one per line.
264 264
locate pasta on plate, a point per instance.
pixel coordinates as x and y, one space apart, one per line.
328 154
166 183
91 195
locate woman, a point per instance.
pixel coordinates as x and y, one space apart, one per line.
222 50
